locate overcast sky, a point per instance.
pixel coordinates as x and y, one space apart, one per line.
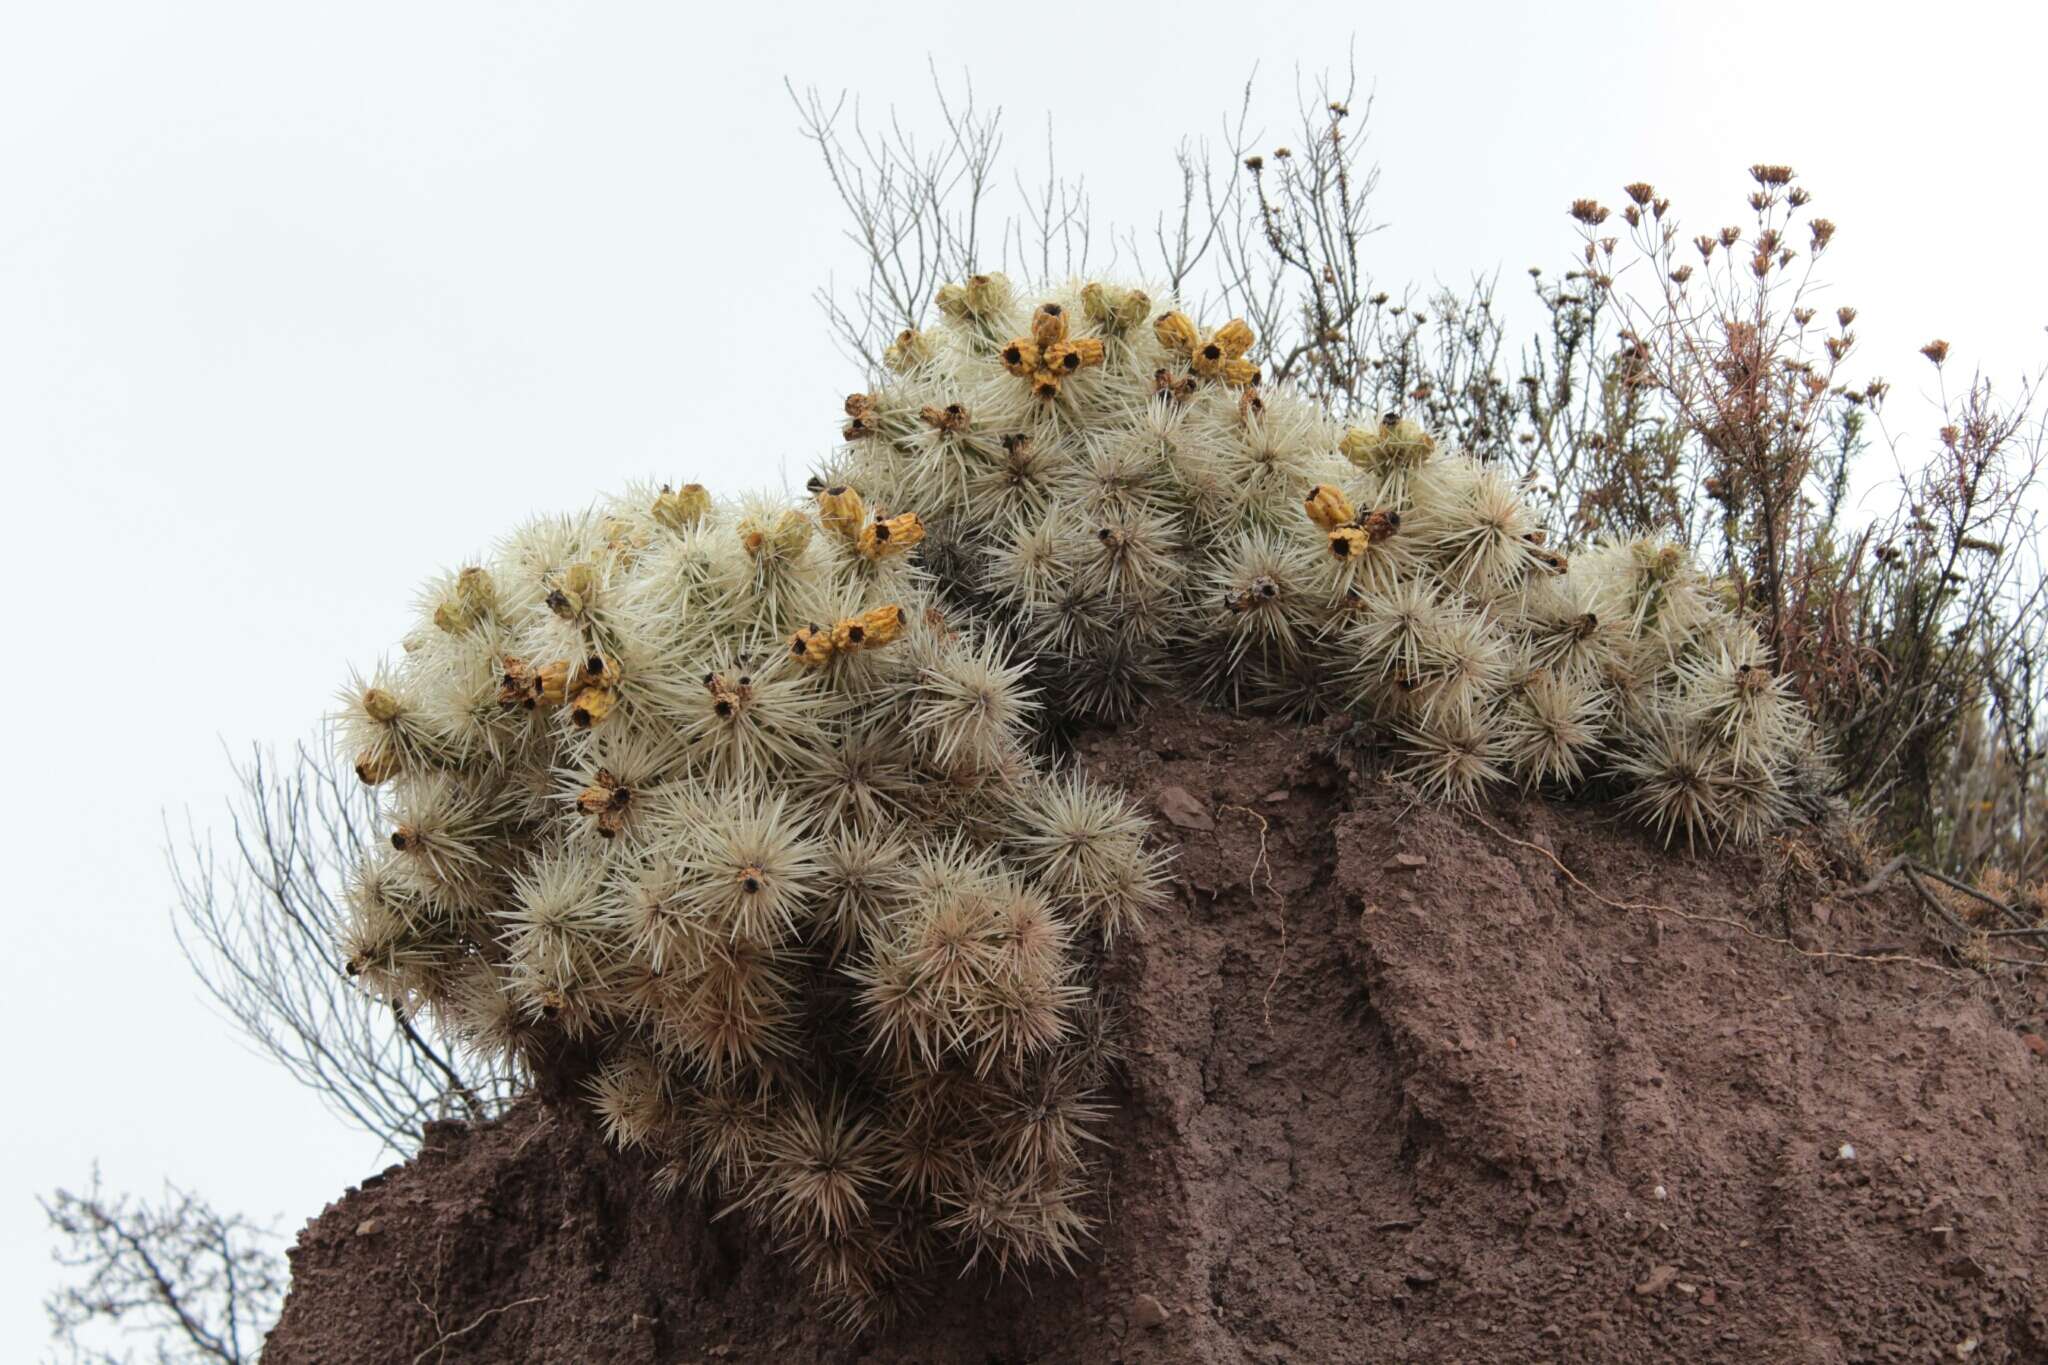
299 303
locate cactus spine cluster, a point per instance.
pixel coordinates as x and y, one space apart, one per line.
718 808
741 813
1103 479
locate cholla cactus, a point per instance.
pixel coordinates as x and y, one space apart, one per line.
1101 476
714 810
734 812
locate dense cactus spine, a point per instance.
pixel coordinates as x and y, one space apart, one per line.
1186 528
722 800
744 812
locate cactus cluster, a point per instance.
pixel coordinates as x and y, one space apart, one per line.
744 814
718 809
1104 480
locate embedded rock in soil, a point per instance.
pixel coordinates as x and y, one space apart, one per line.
1397 1088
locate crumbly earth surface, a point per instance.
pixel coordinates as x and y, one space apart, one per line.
1399 1087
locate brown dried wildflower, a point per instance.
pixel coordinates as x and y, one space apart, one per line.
1588 211
1936 351
529 687
860 414
948 420
605 800
1639 192
1823 232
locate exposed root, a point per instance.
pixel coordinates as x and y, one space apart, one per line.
1264 863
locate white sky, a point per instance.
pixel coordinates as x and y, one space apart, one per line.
299 303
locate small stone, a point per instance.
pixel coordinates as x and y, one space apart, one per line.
1967 1347
1274 798
2036 1044
1660 1193
366 1228
1846 1152
1180 807
1147 1312
1405 862
1708 1298
1660 1279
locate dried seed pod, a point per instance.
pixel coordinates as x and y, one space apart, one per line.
680 509
811 646
910 349
886 536
1328 508
840 510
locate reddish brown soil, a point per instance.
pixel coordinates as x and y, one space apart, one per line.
1398 1089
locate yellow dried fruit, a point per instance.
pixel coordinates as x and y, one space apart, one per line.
1047 356
1328 508
885 536
882 626
841 511
811 646
1218 356
591 704
1114 309
381 706
1348 542
680 509
787 537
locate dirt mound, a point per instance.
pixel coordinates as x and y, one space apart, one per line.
1400 1087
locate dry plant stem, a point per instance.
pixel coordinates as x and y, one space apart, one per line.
441 1345
1262 862
1672 910
1913 869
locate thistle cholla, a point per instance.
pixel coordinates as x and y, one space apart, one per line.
1103 477
715 811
